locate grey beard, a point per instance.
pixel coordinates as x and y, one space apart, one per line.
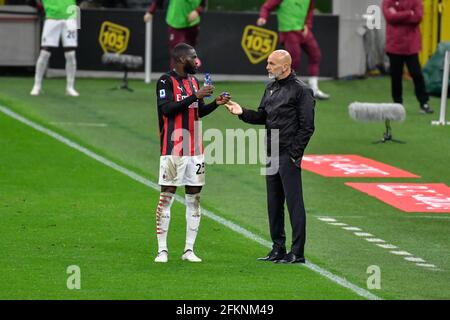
275 75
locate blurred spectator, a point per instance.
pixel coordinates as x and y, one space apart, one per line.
183 19
59 26
403 44
295 21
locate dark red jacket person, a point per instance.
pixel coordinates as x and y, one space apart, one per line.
402 30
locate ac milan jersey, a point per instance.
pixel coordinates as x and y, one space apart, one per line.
179 111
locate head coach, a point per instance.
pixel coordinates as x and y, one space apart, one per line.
286 108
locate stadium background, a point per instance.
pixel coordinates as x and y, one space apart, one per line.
60 208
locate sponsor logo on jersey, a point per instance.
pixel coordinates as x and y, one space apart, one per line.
181 97
162 94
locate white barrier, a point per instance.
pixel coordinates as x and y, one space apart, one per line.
148 51
441 120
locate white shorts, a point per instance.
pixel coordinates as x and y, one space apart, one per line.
54 30
182 170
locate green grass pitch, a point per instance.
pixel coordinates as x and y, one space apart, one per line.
60 208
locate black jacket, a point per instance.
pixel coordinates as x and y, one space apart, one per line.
287 105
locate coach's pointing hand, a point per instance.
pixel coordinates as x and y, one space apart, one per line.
234 107
204 92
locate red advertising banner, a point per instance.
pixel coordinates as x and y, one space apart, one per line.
335 165
409 197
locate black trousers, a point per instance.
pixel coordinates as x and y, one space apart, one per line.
286 186
412 62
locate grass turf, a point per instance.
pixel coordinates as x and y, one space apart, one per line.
61 208
238 192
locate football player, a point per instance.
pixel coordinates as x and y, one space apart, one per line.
183 20
60 24
180 105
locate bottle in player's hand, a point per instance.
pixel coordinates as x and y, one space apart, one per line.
207 82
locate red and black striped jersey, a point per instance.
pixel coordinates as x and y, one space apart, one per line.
179 111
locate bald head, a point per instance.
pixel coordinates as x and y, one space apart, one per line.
282 56
279 64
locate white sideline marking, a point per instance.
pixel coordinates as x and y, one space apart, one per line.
426 265
414 259
363 234
340 224
375 240
387 246
352 229
334 278
381 243
327 219
401 253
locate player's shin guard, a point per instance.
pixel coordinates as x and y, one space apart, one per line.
71 68
193 215
41 66
163 219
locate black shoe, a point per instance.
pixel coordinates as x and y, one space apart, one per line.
425 108
273 255
291 258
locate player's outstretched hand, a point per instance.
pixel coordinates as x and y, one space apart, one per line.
223 98
204 92
234 107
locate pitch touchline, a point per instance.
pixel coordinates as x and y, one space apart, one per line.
336 279
378 242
